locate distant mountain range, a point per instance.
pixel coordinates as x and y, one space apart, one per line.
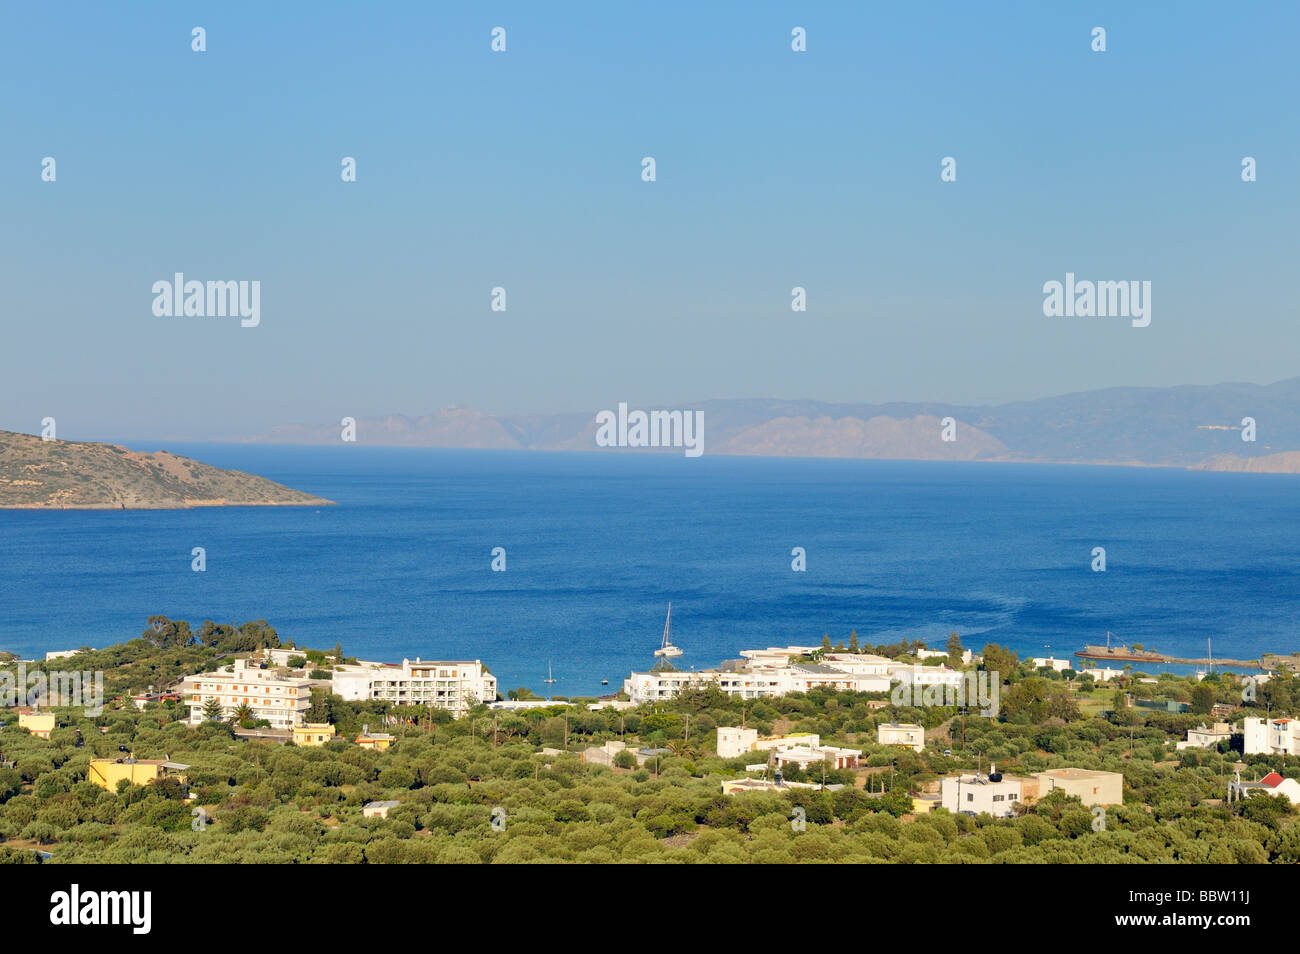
1193 426
36 474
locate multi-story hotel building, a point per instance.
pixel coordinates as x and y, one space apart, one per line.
280 701
775 672
455 686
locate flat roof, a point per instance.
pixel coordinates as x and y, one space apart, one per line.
179 766
1078 773
819 670
439 662
969 779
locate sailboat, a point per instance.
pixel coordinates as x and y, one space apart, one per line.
1202 673
666 649
549 678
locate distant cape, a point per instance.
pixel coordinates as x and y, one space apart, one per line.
1193 426
37 474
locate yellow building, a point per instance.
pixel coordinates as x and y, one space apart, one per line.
313 733
924 804
39 724
106 773
378 741
1092 788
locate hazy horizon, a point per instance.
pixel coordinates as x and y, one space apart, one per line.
327 421
478 169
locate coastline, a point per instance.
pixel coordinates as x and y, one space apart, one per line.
185 505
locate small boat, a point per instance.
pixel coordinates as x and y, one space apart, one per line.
666 648
604 682
549 678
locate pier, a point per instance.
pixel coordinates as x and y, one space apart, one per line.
1127 657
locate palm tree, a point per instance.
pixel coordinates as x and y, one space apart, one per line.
241 712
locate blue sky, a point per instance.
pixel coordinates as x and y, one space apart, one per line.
522 169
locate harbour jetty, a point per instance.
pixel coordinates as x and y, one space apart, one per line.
1124 654
1120 654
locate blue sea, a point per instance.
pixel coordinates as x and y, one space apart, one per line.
597 544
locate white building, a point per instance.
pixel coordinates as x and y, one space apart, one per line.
1271 784
966 655
776 656
1051 662
659 684
739 785
1089 786
353 682
378 809
456 686
1279 736
907 734
977 794
762 683
794 739
755 684
281 657
802 749
603 754
800 677
865 664
926 675
1103 673
735 741
281 702
618 705
776 671
809 756
519 705
1206 736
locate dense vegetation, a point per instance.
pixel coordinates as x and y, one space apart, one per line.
481 788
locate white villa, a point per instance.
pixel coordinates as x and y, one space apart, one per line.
1278 736
907 734
966 655
807 756
1206 736
1271 784
1102 673
802 749
977 794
